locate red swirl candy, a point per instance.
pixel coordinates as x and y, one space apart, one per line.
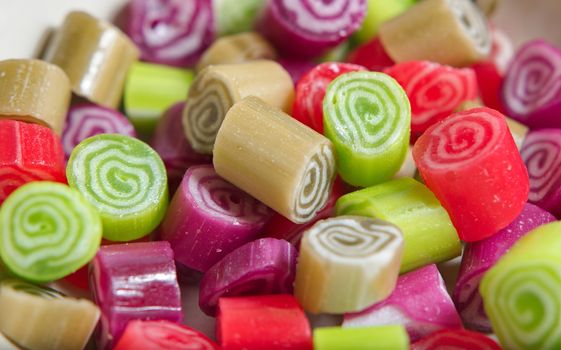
457 339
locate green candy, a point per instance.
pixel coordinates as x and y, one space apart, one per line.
236 16
124 179
367 116
429 236
521 293
379 11
392 337
47 231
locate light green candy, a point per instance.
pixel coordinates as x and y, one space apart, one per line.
429 236
124 179
367 116
150 89
392 337
47 231
236 16
379 11
522 292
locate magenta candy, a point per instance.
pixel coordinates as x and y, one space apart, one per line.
133 281
264 266
209 217
420 302
296 68
480 256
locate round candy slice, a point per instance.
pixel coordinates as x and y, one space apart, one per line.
457 339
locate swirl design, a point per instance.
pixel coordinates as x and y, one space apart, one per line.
474 24
47 231
470 305
13 177
367 111
456 339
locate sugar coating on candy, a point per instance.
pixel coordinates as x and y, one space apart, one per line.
373 338
458 339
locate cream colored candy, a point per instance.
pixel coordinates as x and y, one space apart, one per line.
275 158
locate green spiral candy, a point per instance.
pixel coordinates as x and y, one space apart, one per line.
367 116
124 179
47 231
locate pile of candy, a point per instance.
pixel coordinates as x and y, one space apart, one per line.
300 155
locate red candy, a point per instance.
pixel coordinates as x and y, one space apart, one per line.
471 163
371 55
457 339
28 152
310 90
268 322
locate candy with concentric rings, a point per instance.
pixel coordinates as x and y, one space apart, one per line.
124 179
385 337
208 218
347 263
471 163
367 116
457 339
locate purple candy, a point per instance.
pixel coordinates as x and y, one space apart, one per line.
531 89
309 28
482 255
264 266
420 302
87 119
172 146
133 281
172 32
296 67
209 217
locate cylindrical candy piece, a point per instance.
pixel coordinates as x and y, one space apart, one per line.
428 234
29 152
276 159
392 337
47 231
95 55
217 88
236 17
479 256
367 116
347 263
264 266
420 302
521 292
457 339
87 119
452 32
272 322
471 163
34 91
125 180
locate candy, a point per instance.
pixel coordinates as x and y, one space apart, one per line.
34 91
487 6
41 318
452 32
479 256
217 88
377 12
162 335
471 163
134 281
28 153
276 159
86 119
371 55
434 90
150 89
295 67
47 231
420 302
310 91
272 322
531 88
428 234
208 218
521 292
347 263
457 339
170 32
124 179
367 338
95 55
236 17
264 266
367 117
237 48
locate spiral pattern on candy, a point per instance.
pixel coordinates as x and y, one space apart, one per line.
47 231
457 339
470 306
473 24
12 177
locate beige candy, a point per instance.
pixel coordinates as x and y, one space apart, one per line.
452 32
95 55
347 263
487 6
237 48
275 158
217 88
34 91
41 318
